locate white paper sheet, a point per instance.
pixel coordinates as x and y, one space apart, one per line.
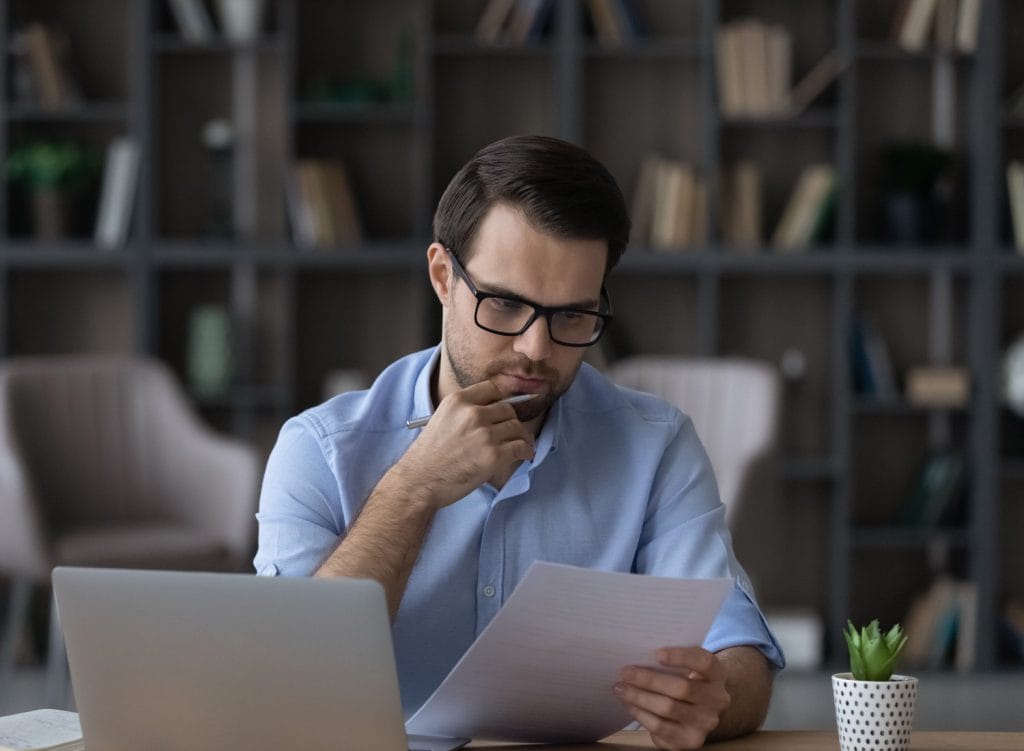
543 669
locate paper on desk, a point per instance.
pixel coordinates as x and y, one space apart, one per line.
543 669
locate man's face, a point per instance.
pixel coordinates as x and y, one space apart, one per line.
510 257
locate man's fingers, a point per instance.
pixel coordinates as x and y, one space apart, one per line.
697 659
665 732
498 411
520 450
673 686
484 392
510 430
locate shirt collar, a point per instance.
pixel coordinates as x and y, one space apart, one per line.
422 401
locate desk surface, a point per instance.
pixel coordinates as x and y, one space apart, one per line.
824 740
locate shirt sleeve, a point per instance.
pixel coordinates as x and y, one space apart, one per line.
299 526
685 535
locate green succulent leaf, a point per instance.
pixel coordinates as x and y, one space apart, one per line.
873 654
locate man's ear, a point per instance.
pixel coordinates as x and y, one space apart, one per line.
440 271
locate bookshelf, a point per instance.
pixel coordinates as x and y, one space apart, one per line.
402 92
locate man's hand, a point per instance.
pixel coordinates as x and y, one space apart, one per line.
678 708
471 437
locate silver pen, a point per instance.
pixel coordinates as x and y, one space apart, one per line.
419 422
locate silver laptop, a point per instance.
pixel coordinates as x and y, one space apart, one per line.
214 661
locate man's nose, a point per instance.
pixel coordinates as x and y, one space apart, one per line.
535 342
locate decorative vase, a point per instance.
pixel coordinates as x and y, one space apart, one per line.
210 357
873 715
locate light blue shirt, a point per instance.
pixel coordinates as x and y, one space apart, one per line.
620 482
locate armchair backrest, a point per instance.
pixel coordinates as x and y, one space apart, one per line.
114 438
92 431
733 402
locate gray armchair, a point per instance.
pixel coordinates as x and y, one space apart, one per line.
103 462
735 405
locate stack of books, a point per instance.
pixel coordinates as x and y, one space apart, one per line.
951 24
669 209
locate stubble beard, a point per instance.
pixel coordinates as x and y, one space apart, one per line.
466 374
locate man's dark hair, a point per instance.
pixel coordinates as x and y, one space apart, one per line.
560 188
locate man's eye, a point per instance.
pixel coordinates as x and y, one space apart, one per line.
505 306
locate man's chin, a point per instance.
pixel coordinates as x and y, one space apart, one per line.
536 407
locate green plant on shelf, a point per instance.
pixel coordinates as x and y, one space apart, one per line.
57 176
872 653
397 88
53 165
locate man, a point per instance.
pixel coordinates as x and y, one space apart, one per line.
449 517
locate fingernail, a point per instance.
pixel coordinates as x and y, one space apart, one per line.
619 689
628 674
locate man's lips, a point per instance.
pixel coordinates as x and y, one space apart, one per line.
524 383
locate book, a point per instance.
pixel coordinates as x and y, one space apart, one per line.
754 68
801 215
913 34
879 360
633 19
675 205
728 71
751 55
322 205
193 21
607 24
945 25
521 19
967 21
754 54
527 20
814 82
938 386
741 214
899 16
642 207
1015 189
928 622
779 68
341 200
300 211
41 730
47 51
937 487
869 356
117 193
669 190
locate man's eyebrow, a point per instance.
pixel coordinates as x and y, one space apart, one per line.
497 289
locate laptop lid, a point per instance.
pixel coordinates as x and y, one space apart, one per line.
170 660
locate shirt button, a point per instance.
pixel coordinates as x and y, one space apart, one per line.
488 591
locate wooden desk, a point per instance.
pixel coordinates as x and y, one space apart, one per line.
816 740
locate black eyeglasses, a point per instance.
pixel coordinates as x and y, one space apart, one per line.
511 316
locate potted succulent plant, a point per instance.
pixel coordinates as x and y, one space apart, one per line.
52 172
874 707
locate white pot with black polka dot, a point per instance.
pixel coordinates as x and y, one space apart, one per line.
874 715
